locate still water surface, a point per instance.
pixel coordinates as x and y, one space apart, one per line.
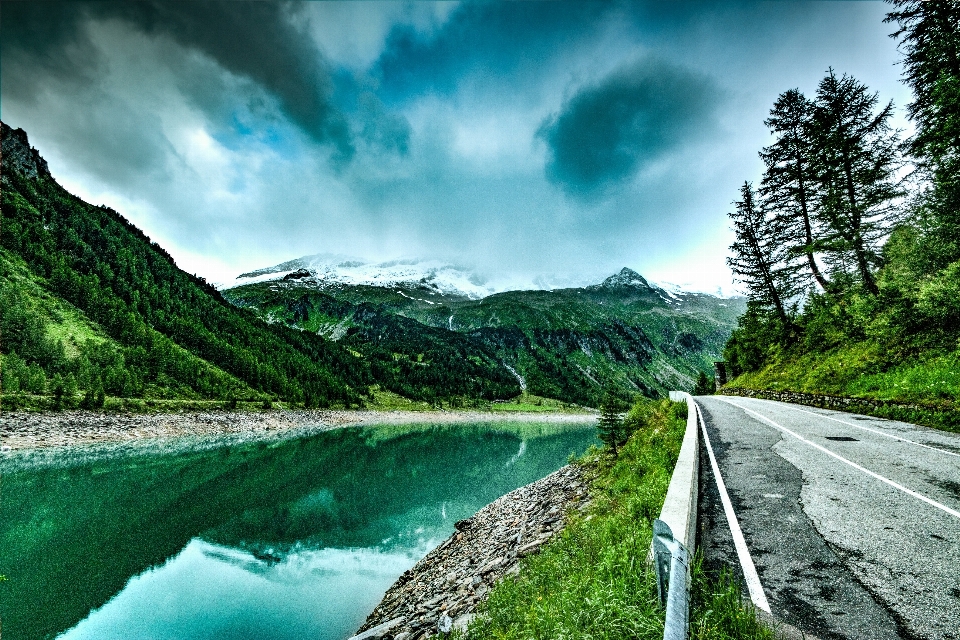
282 540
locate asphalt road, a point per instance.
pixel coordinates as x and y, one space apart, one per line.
853 522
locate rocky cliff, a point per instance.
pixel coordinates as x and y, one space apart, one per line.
18 155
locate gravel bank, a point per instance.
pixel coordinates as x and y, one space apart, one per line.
26 430
442 591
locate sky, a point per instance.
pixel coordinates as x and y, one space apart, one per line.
535 142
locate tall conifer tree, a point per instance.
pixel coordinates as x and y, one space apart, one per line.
761 258
929 37
789 183
858 159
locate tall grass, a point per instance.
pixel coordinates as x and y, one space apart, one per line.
593 581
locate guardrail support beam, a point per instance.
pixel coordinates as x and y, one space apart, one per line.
674 533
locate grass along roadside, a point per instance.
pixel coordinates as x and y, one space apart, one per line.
924 389
593 581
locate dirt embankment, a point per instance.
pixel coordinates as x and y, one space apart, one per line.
26 430
442 591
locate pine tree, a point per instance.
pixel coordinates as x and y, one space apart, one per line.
789 183
610 428
761 258
929 37
857 162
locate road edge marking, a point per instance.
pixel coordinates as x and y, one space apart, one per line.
873 474
750 575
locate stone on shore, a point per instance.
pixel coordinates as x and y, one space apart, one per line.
441 592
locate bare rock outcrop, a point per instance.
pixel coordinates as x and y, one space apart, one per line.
16 154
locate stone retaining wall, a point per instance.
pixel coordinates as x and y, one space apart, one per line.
442 591
827 402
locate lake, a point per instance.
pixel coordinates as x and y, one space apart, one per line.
285 539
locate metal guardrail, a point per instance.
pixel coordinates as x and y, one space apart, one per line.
674 532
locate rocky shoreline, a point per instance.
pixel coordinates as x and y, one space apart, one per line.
23 430
442 591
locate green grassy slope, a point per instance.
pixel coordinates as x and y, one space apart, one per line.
900 346
884 349
166 333
591 581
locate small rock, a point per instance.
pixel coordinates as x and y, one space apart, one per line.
490 566
444 624
527 549
380 630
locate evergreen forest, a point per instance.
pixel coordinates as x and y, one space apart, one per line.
849 245
91 308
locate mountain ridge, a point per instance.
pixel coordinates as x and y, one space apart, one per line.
572 343
427 274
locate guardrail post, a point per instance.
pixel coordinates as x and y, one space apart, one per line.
672 564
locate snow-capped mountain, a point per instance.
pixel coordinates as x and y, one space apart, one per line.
622 328
439 276
720 292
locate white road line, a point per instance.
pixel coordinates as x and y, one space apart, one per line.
895 485
877 431
743 553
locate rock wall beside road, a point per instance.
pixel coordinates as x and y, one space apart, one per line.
838 403
442 591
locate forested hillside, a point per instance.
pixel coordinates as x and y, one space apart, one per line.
91 308
92 312
622 335
850 244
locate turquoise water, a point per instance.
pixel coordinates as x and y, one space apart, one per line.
284 540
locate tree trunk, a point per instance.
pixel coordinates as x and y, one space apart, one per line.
821 280
768 278
855 219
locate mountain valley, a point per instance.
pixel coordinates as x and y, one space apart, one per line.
570 344
96 314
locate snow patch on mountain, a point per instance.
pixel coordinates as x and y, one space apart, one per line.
442 277
674 288
436 275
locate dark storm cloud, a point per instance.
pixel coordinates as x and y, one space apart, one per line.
256 40
632 117
492 37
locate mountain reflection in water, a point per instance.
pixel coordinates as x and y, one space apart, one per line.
290 539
